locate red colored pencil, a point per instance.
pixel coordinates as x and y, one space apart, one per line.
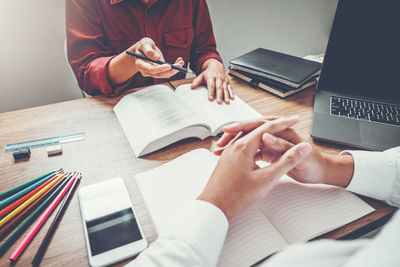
27 196
10 225
42 219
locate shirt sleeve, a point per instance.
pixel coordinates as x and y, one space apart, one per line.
88 52
377 175
194 238
204 45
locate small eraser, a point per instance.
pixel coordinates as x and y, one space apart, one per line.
54 150
22 154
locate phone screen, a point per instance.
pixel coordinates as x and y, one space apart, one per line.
112 231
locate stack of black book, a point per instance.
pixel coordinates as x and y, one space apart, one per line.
277 73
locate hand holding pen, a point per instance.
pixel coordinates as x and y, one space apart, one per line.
150 61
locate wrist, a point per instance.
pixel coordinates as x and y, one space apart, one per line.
221 205
122 67
209 62
338 169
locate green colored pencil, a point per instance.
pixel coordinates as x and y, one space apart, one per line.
14 236
22 186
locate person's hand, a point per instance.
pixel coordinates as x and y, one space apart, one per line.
319 167
214 76
237 182
147 47
232 130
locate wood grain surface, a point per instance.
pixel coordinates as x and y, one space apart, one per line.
105 154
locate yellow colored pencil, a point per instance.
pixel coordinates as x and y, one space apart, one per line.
29 201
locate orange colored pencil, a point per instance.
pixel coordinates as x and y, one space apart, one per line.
42 219
10 225
29 201
24 198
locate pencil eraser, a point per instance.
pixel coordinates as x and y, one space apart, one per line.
22 154
54 150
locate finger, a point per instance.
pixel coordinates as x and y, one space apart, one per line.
230 142
290 135
247 126
219 90
287 162
211 88
197 81
166 74
276 144
152 69
149 49
232 96
254 138
226 93
224 139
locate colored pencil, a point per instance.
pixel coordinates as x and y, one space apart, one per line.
42 219
22 186
46 240
24 191
12 224
20 230
159 62
29 201
24 198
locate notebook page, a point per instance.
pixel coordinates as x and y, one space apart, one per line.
250 238
151 113
215 115
165 189
304 211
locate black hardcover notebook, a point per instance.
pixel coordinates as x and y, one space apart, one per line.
274 87
290 70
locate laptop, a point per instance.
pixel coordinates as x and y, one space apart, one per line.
357 101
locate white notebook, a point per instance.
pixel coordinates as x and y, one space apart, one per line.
156 117
291 213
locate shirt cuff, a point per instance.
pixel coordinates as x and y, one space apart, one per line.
98 73
373 174
202 226
202 59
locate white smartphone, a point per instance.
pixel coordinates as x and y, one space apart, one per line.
112 232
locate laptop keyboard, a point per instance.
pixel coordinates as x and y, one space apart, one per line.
365 110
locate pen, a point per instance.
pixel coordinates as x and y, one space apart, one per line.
159 62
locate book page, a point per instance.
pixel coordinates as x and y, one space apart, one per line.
303 211
152 113
250 238
165 189
215 115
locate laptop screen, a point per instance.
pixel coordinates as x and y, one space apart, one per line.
362 57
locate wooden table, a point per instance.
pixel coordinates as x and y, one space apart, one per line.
105 154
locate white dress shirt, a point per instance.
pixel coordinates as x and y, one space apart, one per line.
191 241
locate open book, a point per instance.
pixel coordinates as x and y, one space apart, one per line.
156 117
291 213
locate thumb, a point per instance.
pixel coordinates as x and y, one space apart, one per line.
197 81
287 162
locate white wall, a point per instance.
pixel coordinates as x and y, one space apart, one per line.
296 27
33 70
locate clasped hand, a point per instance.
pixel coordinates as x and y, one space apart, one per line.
237 182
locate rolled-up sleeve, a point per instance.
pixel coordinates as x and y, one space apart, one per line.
204 45
377 175
88 52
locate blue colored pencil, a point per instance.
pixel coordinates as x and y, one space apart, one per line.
25 191
17 233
